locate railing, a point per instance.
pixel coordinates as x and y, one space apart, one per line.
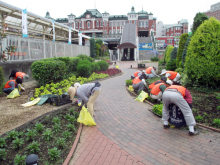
34 49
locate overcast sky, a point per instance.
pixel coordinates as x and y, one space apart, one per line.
167 11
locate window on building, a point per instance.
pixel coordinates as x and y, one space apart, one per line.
88 24
76 24
114 31
167 30
110 32
113 24
101 23
178 28
105 32
147 24
167 35
110 24
143 24
169 41
97 23
80 24
139 24
135 22
118 31
171 34
105 23
171 29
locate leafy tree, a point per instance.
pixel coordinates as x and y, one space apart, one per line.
198 20
92 47
97 49
203 55
168 53
173 53
99 41
185 51
183 39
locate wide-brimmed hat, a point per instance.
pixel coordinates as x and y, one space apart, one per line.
72 92
163 71
77 84
169 82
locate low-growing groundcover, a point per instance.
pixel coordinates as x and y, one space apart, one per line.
50 138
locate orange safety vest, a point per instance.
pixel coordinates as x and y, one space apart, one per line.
136 73
179 88
19 74
136 80
173 75
153 84
148 70
7 84
156 89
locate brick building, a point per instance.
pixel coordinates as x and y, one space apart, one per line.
214 11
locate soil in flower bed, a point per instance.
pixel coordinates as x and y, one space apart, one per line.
66 117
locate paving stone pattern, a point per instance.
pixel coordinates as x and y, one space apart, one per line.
128 133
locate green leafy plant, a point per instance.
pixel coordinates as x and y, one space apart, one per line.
2 142
56 127
56 120
12 135
84 68
18 143
19 159
154 59
3 153
171 65
199 118
72 119
66 134
71 127
128 82
103 65
216 122
39 127
61 142
218 108
31 134
54 154
34 147
72 110
48 134
157 109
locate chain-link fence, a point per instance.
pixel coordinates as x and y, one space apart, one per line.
35 49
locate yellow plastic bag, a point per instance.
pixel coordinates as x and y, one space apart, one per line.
85 117
143 95
13 94
130 88
117 67
30 103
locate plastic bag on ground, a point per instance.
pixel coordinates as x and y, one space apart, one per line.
13 94
117 67
28 104
130 88
85 117
142 96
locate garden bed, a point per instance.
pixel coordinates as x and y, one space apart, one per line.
52 144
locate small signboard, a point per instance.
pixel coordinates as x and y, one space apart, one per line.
145 46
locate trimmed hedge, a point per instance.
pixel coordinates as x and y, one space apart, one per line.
168 53
84 68
173 53
203 55
185 51
183 39
85 57
171 65
198 20
47 71
95 67
92 47
103 65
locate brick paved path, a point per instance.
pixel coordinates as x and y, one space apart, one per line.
127 133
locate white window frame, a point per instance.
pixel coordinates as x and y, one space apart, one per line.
97 23
88 25
76 24
101 24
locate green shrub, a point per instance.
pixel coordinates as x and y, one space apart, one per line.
171 65
203 57
84 68
154 59
198 20
218 108
85 57
47 134
18 143
34 147
95 66
73 63
103 65
61 142
216 122
168 53
157 109
173 53
183 39
46 72
12 135
185 51
31 134
199 118
128 82
19 160
97 49
56 127
39 127
54 154
2 142
92 47
3 154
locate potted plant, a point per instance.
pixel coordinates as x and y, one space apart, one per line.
141 65
154 59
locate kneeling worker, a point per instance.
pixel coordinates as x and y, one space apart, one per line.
174 76
162 80
11 85
150 71
139 82
182 98
138 73
158 90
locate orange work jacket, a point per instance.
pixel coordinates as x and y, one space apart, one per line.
153 84
19 74
136 73
173 75
148 70
156 89
136 80
179 88
7 84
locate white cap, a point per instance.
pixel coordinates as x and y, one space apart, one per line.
169 82
77 84
163 71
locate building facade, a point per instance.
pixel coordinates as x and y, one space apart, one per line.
214 11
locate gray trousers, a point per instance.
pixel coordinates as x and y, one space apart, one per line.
175 97
150 76
139 86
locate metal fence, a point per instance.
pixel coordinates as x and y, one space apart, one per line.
35 49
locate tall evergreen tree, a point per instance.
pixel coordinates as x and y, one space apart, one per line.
198 20
173 53
92 47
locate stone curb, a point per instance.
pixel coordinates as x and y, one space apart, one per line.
201 125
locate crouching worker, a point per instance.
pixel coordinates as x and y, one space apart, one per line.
181 97
162 80
88 93
150 71
16 74
138 73
174 76
158 90
139 83
11 85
